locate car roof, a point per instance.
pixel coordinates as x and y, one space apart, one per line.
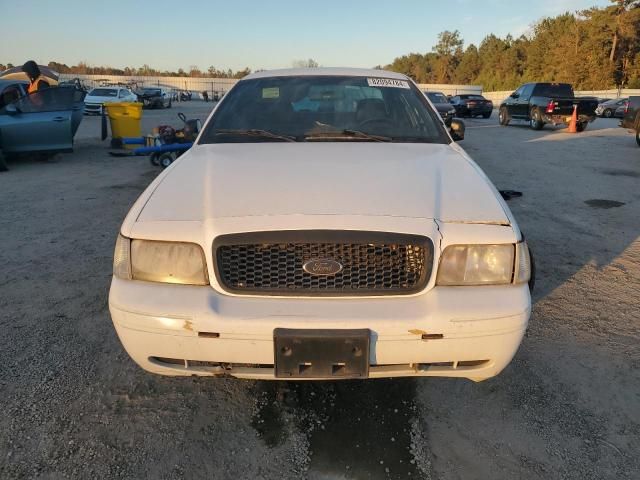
327 71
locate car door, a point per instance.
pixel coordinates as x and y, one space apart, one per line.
521 104
514 104
38 122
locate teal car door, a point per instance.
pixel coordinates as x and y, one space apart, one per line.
40 122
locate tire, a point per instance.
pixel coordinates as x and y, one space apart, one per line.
581 126
3 164
154 158
165 159
169 106
503 116
608 113
637 140
487 115
535 120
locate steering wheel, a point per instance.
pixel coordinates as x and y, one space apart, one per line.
380 120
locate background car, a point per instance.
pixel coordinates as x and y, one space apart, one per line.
621 110
442 105
472 105
631 119
97 97
44 122
155 97
608 109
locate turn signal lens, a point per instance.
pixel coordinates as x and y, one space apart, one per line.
122 258
523 263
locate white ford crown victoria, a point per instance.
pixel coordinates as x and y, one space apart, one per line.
323 226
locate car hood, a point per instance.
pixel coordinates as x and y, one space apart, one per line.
443 107
418 180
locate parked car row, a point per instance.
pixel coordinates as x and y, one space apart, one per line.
150 97
463 105
611 108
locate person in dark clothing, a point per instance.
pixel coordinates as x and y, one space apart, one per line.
205 95
36 79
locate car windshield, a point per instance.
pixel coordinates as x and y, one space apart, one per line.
104 92
324 108
553 90
472 97
436 97
152 91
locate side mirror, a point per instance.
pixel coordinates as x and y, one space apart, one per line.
514 95
11 109
457 130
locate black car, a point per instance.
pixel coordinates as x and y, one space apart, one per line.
471 105
631 119
442 105
155 98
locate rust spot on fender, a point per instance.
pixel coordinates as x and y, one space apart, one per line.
188 325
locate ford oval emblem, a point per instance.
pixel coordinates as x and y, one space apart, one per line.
322 266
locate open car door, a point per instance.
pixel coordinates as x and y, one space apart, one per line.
45 121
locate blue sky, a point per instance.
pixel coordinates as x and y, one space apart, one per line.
253 33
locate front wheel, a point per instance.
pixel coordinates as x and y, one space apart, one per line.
581 126
503 117
166 159
536 120
608 113
486 115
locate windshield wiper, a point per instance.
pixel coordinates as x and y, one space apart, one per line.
256 132
347 133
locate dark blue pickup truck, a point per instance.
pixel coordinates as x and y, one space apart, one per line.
542 103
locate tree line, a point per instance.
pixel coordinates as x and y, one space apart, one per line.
597 48
82 68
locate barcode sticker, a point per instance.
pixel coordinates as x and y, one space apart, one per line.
387 82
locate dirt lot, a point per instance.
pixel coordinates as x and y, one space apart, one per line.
74 405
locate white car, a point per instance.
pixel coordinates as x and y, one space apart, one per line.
96 98
323 226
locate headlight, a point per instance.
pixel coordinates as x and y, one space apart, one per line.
155 261
477 265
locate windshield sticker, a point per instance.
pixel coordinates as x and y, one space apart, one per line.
271 92
387 82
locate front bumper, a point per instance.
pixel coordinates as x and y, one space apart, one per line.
184 330
93 108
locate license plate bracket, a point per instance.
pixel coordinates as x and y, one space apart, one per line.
321 353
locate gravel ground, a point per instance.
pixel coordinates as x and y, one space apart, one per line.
73 405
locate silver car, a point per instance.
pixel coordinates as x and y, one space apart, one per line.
608 109
43 122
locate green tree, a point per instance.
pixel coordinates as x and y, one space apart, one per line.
448 51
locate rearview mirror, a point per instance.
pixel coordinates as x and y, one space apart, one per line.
12 109
457 130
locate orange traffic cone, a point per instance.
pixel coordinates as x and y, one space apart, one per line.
573 124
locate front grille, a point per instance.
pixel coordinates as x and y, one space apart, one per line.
372 263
